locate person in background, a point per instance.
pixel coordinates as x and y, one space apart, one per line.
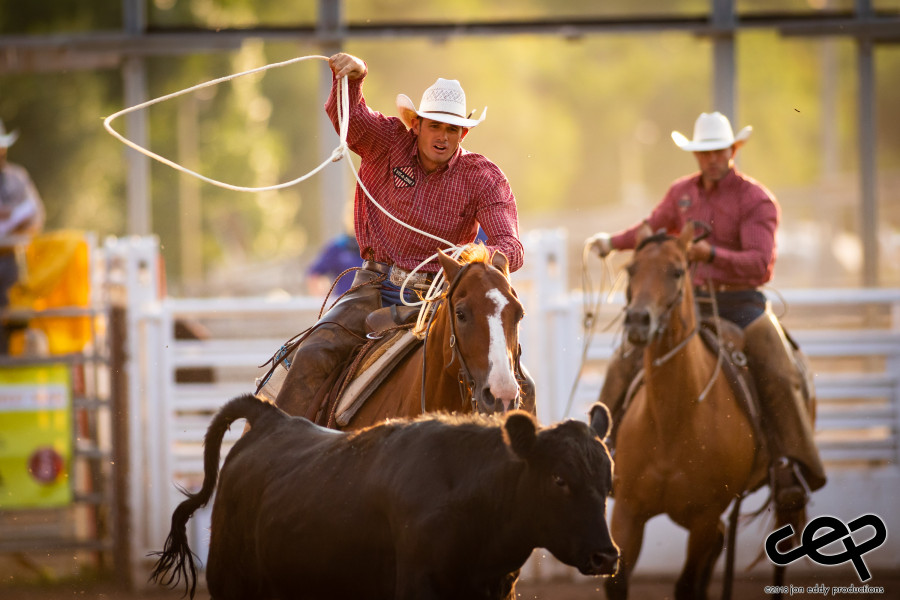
416 168
21 214
338 255
733 263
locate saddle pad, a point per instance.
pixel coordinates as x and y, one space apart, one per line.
375 368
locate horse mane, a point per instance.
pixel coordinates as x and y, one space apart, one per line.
475 252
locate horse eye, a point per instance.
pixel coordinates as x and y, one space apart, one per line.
559 481
460 315
678 273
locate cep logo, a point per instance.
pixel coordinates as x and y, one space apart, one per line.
837 530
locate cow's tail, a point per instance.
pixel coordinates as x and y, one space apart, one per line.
177 561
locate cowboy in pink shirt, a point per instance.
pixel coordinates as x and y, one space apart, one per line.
415 168
736 258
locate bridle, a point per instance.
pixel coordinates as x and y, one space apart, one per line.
666 315
464 376
466 381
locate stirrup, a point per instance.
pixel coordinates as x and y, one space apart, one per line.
789 488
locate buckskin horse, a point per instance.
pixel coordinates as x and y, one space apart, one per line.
466 362
686 447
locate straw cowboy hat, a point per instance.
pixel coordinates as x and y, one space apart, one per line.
7 139
445 101
712 131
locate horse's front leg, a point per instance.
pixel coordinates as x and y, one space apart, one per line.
627 530
706 537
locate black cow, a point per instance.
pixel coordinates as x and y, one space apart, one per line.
437 507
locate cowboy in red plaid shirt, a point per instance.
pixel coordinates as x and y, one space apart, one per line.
737 258
415 168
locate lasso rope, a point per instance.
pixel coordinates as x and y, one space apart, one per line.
591 305
339 152
336 155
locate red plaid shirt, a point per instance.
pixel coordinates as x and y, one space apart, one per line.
449 203
743 216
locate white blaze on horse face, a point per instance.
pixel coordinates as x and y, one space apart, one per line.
501 379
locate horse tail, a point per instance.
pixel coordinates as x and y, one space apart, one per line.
177 561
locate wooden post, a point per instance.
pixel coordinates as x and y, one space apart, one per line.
121 510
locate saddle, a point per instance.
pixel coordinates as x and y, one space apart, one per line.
361 373
390 317
391 340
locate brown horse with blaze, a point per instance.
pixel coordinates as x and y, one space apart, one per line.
468 360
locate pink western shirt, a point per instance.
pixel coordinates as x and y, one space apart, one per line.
743 216
449 203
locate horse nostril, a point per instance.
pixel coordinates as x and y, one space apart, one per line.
639 318
489 401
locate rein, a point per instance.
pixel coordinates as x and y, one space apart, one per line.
668 355
464 375
719 354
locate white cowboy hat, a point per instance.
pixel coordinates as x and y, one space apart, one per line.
712 131
445 101
7 139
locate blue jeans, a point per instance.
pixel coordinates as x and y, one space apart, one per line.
740 307
390 294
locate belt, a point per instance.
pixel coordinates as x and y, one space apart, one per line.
377 267
418 279
397 276
713 287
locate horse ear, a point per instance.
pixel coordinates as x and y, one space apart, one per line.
686 239
499 260
520 433
450 266
643 232
601 420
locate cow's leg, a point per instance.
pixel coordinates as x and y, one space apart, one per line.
627 529
232 566
706 537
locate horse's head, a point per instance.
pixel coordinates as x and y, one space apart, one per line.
657 277
484 315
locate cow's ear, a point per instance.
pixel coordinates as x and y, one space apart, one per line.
520 432
601 420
